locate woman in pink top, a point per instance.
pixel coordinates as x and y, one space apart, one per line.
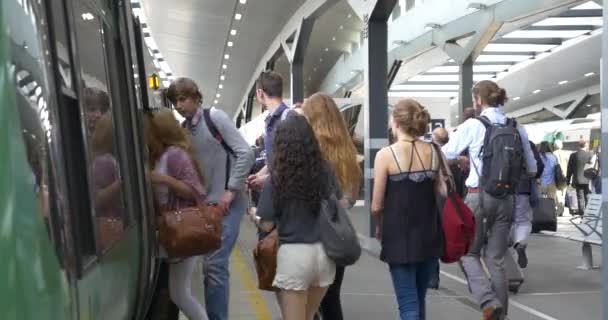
178 183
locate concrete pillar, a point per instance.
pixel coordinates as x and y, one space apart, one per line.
375 107
465 84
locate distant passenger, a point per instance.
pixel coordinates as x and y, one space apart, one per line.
178 181
226 166
547 178
269 93
404 205
491 294
96 104
291 200
525 201
441 136
562 159
338 149
575 174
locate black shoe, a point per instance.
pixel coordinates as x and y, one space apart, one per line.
522 258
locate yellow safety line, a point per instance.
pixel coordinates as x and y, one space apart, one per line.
258 303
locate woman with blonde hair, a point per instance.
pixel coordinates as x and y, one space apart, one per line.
407 177
338 149
178 182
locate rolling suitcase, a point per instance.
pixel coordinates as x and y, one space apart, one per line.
544 215
515 276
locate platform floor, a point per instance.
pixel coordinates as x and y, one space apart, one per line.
554 288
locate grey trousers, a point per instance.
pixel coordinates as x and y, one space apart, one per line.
522 221
492 229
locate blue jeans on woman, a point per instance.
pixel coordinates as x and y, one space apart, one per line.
411 282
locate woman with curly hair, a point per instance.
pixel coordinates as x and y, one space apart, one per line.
300 180
339 150
406 180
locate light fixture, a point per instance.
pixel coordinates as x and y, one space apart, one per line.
226 56
476 6
326 49
224 66
87 16
333 38
238 16
230 43
536 91
218 95
233 32
222 77
431 25
320 59
349 15
589 74
341 27
215 101
562 82
588 106
243 1
516 98
221 86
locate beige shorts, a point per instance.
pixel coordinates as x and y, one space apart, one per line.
303 265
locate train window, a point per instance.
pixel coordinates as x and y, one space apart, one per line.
104 171
61 45
28 53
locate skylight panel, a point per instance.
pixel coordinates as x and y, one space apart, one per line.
420 87
506 47
505 57
545 34
587 6
435 94
570 21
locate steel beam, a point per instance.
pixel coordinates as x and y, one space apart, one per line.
587 13
375 105
295 55
562 28
543 41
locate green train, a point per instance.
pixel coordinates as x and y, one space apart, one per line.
77 239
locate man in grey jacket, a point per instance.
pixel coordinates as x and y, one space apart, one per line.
225 158
575 175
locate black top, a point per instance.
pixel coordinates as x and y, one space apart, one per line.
295 223
411 228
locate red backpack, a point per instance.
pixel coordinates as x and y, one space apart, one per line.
458 222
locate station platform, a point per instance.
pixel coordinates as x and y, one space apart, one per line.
554 288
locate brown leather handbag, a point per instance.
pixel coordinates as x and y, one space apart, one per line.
191 231
265 258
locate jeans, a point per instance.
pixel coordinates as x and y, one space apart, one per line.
410 282
522 221
215 265
492 229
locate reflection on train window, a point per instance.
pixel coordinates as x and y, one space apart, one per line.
27 70
103 159
61 44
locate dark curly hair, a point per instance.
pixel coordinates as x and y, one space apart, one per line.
298 169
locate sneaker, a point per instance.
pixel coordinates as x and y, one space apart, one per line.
522 258
491 313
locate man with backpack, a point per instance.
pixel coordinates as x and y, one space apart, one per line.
225 159
269 93
499 151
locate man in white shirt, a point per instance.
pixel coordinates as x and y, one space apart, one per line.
493 215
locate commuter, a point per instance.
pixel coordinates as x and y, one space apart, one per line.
562 159
338 149
575 175
291 200
178 182
440 136
525 201
269 93
547 179
226 165
404 205
497 213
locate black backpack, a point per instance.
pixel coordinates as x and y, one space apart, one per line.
502 158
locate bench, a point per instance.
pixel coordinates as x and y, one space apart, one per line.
590 226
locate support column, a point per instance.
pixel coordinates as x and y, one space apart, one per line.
604 159
375 107
465 84
295 55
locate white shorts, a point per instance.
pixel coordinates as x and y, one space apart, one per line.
303 265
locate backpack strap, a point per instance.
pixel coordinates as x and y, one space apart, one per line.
285 113
218 136
485 121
